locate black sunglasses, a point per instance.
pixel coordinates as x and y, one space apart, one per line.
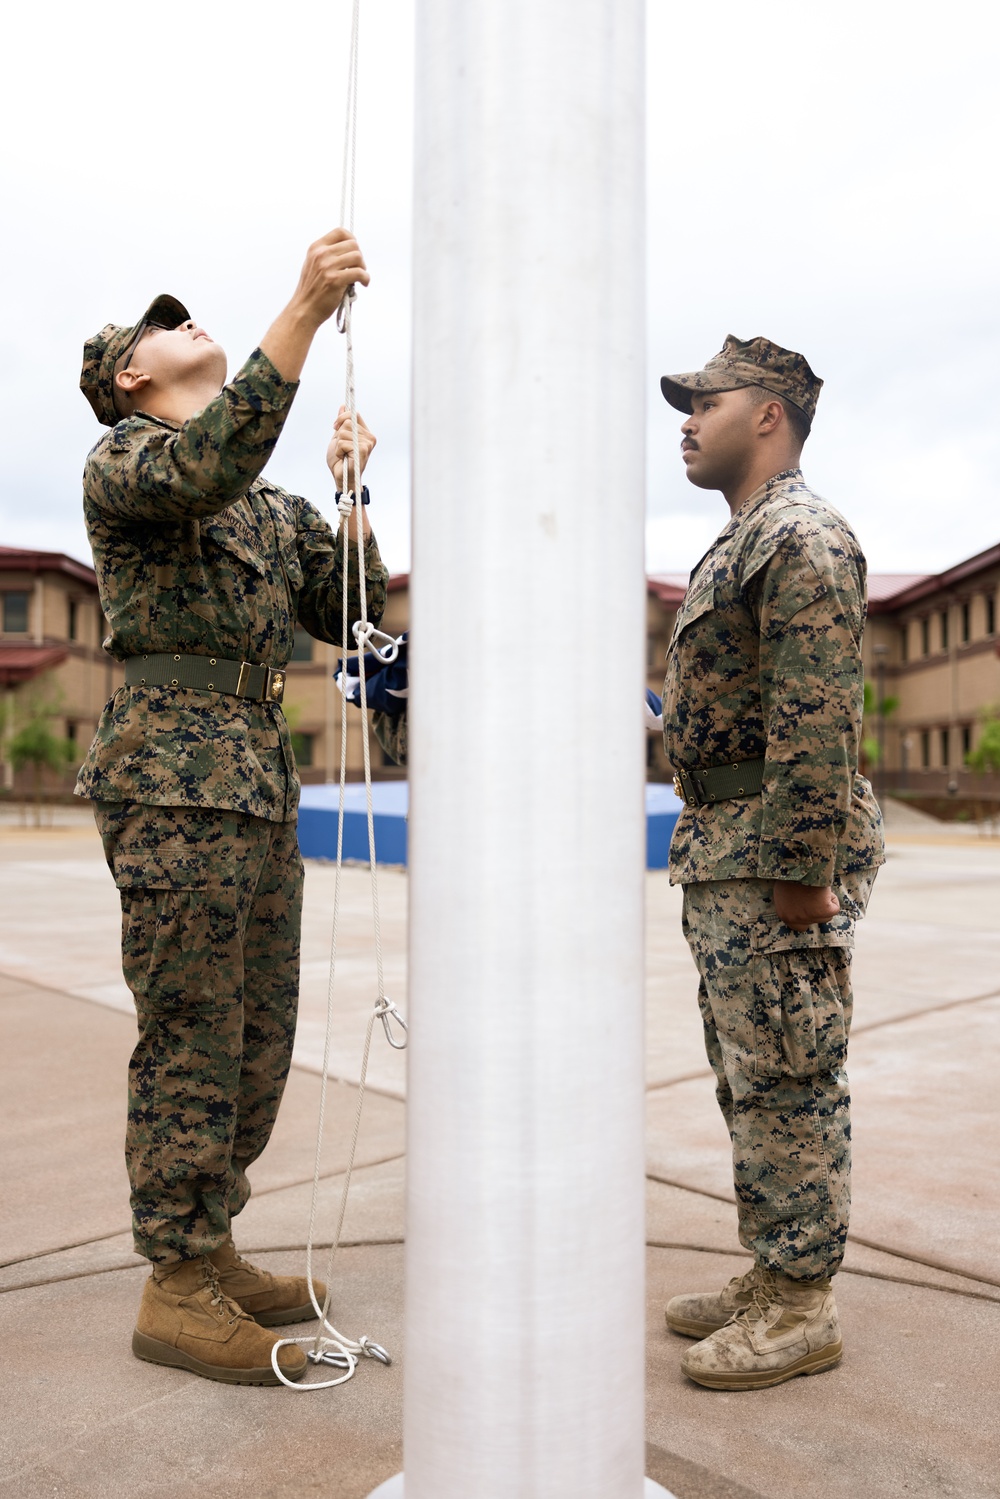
143 328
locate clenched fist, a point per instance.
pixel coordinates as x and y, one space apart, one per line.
342 446
332 264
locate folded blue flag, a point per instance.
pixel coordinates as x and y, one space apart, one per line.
387 685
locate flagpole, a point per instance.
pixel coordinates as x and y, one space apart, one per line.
525 1246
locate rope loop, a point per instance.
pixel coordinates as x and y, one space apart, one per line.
344 310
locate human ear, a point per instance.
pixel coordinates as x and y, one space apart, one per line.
770 416
131 381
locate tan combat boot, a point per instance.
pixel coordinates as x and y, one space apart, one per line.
695 1316
271 1300
789 1327
186 1322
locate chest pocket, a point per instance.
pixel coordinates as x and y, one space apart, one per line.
233 532
275 518
700 601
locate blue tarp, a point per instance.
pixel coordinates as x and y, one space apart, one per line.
391 799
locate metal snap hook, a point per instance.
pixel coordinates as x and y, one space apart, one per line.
326 1356
374 1350
367 637
383 1009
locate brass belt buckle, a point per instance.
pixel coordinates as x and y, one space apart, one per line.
274 686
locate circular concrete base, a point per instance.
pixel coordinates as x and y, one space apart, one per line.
393 1489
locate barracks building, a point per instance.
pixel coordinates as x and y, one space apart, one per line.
931 650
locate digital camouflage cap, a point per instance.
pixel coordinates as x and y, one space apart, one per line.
755 361
102 353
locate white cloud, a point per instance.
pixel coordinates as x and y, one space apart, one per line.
822 174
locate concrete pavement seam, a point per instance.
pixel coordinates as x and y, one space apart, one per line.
856 1030
57 1280
900 1280
898 1254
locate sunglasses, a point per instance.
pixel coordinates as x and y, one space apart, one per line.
144 328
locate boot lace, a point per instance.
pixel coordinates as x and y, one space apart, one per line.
763 1294
217 1296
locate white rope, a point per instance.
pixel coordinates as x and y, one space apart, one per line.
335 1348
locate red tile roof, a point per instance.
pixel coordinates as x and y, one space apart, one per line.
19 663
26 560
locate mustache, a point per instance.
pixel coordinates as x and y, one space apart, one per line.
688 445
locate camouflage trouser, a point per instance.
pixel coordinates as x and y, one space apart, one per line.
211 914
776 1006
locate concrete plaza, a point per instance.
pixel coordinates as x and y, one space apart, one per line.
912 1410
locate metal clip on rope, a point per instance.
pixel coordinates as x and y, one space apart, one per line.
366 636
383 1009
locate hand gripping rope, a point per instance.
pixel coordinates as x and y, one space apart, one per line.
335 1348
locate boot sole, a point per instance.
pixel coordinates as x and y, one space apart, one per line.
736 1379
155 1352
282 1318
692 1329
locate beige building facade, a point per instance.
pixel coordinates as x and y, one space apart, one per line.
932 645
51 662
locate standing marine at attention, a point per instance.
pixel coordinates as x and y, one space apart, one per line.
777 848
205 569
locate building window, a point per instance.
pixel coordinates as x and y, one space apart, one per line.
15 613
966 741
925 637
966 628
904 643
71 730
944 629
302 744
302 650
925 748
945 747
991 614
71 620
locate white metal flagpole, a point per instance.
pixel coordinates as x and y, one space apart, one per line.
525 1242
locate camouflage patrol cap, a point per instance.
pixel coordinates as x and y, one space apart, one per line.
102 352
757 361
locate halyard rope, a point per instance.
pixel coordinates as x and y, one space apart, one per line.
335 1348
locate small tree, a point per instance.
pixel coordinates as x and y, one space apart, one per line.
36 745
871 744
985 758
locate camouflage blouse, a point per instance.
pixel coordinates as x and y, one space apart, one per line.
196 553
765 661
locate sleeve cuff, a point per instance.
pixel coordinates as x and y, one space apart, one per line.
786 861
260 385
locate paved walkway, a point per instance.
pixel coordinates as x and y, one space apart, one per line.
912 1410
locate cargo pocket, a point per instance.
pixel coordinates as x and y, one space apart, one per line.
168 928
801 984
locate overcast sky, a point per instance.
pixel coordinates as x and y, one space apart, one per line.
821 173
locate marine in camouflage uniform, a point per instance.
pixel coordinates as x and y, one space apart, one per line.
764 687
202 561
